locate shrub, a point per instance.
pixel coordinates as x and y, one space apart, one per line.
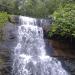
3 18
64 21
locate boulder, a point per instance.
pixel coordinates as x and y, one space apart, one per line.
14 19
9 31
45 24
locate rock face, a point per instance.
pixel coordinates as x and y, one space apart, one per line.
9 31
44 23
7 41
14 19
62 49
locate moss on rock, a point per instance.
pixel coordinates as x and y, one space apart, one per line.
3 18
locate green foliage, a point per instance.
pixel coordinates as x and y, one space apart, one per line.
64 20
3 18
34 8
9 6
38 8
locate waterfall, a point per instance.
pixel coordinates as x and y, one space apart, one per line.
30 56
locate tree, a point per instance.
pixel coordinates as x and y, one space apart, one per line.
38 8
9 6
34 8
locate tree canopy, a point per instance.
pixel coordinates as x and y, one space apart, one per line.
34 8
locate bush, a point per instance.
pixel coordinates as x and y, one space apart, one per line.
3 18
64 21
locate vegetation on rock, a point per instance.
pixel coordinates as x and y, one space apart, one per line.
3 18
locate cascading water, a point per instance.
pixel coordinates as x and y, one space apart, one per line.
30 56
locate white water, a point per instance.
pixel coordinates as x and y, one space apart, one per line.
30 56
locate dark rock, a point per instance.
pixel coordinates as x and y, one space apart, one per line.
62 49
68 64
45 24
14 19
9 31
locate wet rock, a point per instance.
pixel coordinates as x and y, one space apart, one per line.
1 34
9 31
68 64
8 36
5 61
62 49
14 19
45 24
